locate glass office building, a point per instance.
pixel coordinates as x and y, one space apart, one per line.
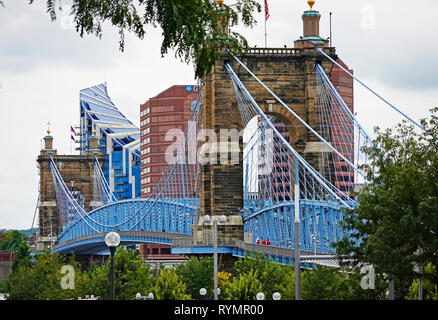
119 140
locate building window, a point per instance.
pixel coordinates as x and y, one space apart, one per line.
145 151
165 250
144 122
154 250
144 112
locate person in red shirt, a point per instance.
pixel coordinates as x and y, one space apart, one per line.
268 242
263 242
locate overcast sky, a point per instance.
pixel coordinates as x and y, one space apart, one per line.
391 45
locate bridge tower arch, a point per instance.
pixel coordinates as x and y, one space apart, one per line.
78 173
290 74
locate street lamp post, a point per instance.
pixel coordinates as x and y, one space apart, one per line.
112 240
297 243
207 220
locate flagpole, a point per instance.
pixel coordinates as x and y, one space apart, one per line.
266 19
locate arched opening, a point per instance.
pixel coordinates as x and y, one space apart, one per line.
79 197
267 164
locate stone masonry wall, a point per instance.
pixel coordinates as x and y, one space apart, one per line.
77 168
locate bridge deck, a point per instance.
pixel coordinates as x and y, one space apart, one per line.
184 244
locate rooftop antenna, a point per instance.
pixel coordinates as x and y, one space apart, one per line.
331 40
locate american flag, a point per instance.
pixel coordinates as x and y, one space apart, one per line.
266 10
73 132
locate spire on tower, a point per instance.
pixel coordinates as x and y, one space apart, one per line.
311 3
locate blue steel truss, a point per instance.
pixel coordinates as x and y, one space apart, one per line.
154 215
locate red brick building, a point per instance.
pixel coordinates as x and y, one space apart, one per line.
344 175
171 109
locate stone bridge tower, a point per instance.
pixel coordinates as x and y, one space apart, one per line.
290 74
78 174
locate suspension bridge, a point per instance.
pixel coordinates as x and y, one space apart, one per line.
263 181
271 167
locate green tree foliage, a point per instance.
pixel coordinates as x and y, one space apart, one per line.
429 289
169 286
132 274
22 257
324 283
10 240
41 280
397 210
3 286
272 276
197 273
189 27
245 286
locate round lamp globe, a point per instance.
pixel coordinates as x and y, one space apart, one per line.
112 239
